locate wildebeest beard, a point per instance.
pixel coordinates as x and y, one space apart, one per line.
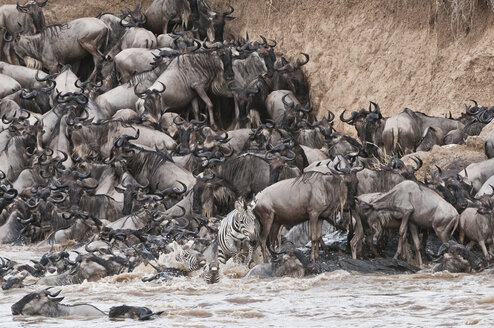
152 105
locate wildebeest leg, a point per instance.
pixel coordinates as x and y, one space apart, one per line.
202 93
470 245
402 236
314 236
484 250
195 108
462 235
416 242
358 235
319 229
90 44
266 228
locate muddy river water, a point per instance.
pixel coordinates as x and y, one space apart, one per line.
336 299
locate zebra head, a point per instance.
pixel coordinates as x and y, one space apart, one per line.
246 222
187 258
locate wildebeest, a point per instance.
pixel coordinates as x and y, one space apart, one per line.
46 304
163 12
16 18
407 205
63 44
489 145
209 23
403 132
312 196
478 173
369 125
187 79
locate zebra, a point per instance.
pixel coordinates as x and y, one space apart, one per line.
238 234
182 258
212 272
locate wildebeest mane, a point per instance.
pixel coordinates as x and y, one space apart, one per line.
145 159
53 30
305 177
239 168
146 76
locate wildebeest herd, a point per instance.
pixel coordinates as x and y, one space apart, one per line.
149 140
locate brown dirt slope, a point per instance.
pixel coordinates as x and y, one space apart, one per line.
428 55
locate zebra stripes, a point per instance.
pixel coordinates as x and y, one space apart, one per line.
212 273
238 234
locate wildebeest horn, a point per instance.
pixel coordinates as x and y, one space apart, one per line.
139 94
199 122
163 87
48 293
5 120
25 94
291 158
179 215
232 87
21 6
377 109
196 45
81 85
88 186
264 41
222 139
42 3
331 116
7 38
124 23
226 13
347 120
57 200
2 175
178 191
299 64
10 194
82 176
182 122
288 105
419 163
48 89
439 170
41 79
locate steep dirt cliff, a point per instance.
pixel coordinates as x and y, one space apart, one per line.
428 55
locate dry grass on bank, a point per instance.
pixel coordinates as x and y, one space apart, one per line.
462 12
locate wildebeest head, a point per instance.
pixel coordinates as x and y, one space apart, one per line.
130 191
152 100
226 57
243 97
450 187
33 9
212 196
291 77
37 303
348 184
214 22
367 124
137 18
